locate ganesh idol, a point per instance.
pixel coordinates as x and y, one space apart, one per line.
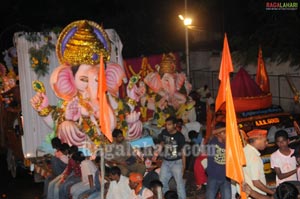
75 120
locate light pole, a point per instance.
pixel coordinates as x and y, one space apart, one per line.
187 22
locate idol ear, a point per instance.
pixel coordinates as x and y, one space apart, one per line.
114 75
154 82
63 83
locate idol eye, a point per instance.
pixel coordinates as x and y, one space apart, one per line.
96 79
84 79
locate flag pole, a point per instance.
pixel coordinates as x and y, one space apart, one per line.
102 167
101 98
235 158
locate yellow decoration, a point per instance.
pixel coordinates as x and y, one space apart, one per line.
45 111
184 108
131 102
145 68
84 103
84 46
144 71
133 80
11 74
168 64
162 119
38 86
143 110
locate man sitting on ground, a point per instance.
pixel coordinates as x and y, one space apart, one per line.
119 185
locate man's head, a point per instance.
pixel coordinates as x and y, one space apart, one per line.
258 138
171 195
135 180
282 139
286 190
193 134
179 124
64 148
78 157
73 149
55 142
114 173
117 135
219 131
171 124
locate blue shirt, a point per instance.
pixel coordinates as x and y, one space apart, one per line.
216 160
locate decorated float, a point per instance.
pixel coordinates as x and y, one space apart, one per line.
64 89
247 95
254 110
253 104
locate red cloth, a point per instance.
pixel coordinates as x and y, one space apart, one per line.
72 166
243 86
199 171
153 60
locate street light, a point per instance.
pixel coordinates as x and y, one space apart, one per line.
187 22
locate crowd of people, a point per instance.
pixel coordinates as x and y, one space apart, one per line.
126 174
148 174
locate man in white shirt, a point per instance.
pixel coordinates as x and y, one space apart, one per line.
138 190
282 161
119 185
254 169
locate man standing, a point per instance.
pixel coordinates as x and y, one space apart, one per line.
254 169
282 160
172 142
216 174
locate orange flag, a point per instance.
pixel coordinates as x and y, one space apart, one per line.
225 69
235 157
103 104
262 78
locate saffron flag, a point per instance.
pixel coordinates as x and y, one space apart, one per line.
235 158
225 69
103 104
262 78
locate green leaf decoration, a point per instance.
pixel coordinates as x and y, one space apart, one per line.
39 56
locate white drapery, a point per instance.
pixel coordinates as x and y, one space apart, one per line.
35 129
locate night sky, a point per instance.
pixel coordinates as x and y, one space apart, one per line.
145 27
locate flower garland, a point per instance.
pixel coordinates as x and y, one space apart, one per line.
90 129
39 55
